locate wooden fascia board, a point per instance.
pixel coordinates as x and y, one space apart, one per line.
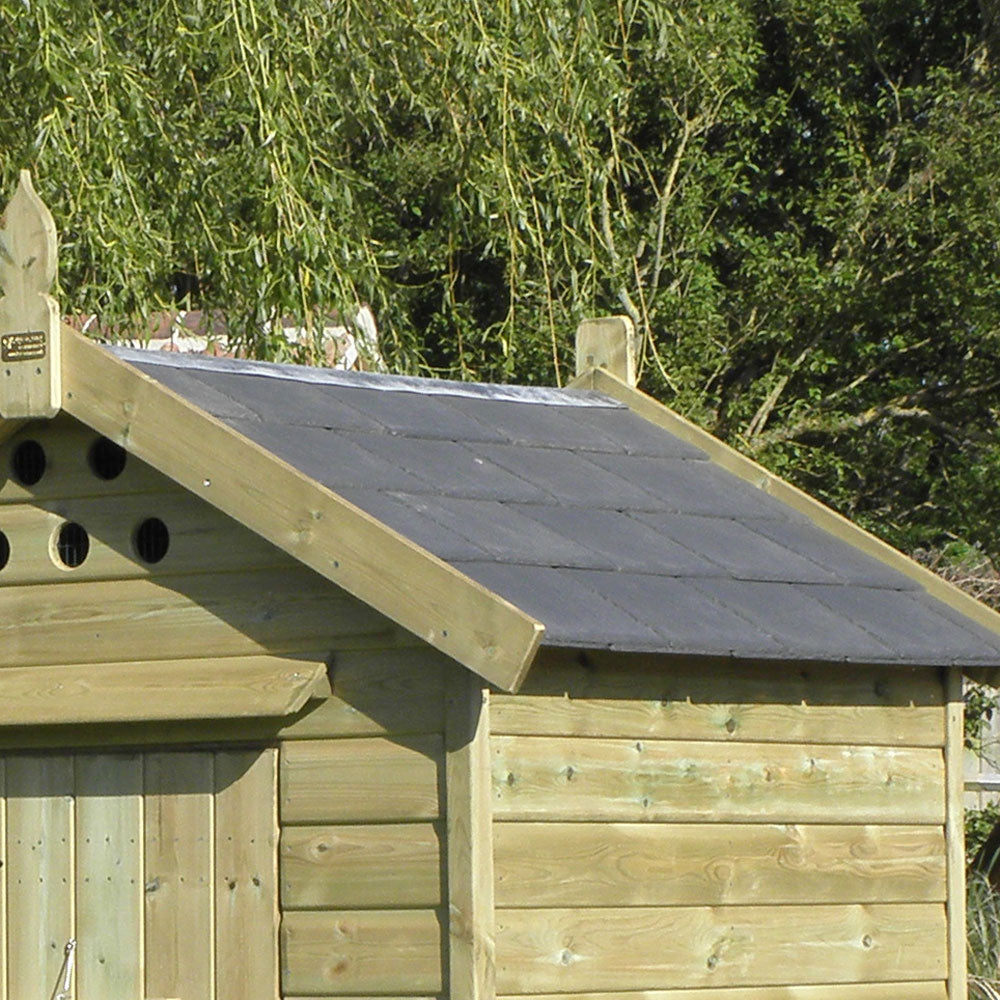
154 691
821 515
409 585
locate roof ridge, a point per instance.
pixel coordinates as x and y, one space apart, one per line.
370 380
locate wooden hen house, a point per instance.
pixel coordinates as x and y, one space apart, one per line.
326 684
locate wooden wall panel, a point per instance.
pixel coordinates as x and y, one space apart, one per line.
570 950
362 814
183 617
852 991
362 952
246 878
885 725
40 858
378 692
599 674
202 540
617 864
179 832
722 831
67 472
109 875
365 866
630 780
372 779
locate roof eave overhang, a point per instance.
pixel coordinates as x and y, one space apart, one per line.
322 530
824 517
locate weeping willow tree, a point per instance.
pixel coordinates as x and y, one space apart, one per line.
795 200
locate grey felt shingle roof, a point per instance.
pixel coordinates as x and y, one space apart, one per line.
609 530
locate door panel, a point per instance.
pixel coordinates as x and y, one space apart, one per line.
161 865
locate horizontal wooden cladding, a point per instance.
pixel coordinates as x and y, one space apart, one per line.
888 725
372 866
537 778
570 950
200 538
356 711
188 616
606 675
361 952
369 779
161 689
850 991
619 864
67 444
379 691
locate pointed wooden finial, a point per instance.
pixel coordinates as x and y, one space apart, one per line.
30 384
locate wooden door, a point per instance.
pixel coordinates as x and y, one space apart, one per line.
161 866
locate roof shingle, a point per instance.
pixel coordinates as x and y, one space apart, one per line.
612 532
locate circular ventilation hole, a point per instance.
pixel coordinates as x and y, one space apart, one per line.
72 544
4 550
152 539
28 462
106 459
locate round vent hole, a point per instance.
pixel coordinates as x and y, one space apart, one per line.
28 462
72 544
4 550
152 539
106 459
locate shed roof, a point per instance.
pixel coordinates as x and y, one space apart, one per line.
610 531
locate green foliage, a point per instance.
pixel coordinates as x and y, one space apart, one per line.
795 200
983 922
979 824
980 704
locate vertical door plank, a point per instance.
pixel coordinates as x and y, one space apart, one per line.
178 839
109 876
39 871
246 877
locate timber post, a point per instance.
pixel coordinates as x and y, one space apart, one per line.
30 355
609 342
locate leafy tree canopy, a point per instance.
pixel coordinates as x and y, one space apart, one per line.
796 201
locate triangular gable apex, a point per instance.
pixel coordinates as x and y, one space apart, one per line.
323 531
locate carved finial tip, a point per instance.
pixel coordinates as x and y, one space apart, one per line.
31 232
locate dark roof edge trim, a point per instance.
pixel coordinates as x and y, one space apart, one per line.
822 516
363 380
322 530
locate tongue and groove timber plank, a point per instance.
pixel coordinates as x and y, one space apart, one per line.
674 864
664 781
